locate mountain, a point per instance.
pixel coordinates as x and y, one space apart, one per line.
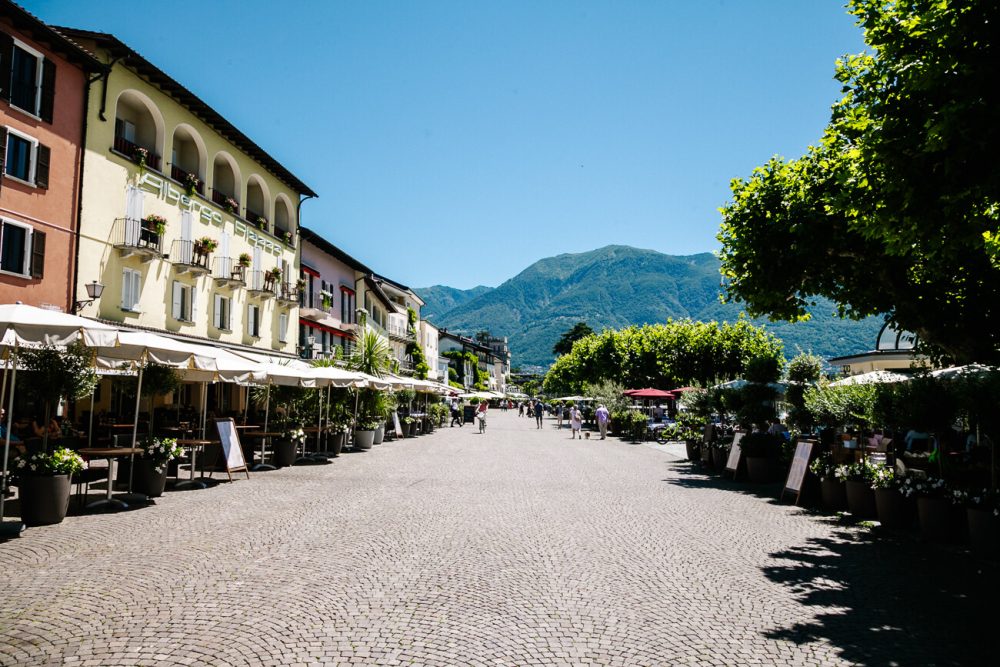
440 299
614 287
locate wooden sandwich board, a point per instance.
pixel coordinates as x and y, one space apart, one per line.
735 455
396 425
798 469
232 452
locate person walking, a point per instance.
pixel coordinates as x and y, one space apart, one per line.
520 409
603 417
481 415
575 423
539 411
456 413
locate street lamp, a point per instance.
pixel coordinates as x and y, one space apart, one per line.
94 291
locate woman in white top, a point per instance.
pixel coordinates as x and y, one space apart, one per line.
576 423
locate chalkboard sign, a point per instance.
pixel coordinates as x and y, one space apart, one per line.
797 471
232 452
396 425
735 455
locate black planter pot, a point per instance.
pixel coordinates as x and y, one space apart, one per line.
147 481
984 531
693 450
720 457
44 499
337 441
834 494
894 511
283 453
860 499
761 469
937 520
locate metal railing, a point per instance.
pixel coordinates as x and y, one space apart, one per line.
253 216
181 177
260 281
134 233
126 147
222 199
288 292
189 253
228 268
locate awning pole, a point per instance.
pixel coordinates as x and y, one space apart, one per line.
12 528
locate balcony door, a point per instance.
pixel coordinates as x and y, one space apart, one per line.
187 245
133 215
226 264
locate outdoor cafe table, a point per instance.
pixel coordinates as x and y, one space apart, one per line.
193 445
109 453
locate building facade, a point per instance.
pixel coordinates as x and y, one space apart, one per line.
328 303
191 227
43 83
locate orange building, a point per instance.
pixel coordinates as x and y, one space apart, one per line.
44 79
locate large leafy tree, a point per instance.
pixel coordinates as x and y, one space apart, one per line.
565 342
663 355
895 211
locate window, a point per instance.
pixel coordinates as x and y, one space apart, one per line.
221 312
131 290
31 86
283 328
183 305
253 321
25 158
346 306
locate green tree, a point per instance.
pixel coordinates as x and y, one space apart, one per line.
895 211
52 373
565 343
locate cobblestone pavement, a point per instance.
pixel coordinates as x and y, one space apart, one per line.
517 547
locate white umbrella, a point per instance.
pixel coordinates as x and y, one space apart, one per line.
871 377
28 326
962 371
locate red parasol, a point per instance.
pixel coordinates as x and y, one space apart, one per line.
648 393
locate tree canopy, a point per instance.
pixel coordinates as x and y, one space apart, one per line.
565 343
663 355
896 210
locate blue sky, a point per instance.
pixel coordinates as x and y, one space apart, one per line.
458 142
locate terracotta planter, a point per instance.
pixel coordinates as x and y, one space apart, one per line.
894 511
337 442
984 531
44 499
860 499
693 450
937 519
761 469
364 440
283 453
379 435
834 494
147 481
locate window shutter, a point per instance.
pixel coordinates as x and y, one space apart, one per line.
217 313
37 254
48 90
194 300
3 152
127 298
225 313
6 64
42 158
283 327
136 289
178 311
249 320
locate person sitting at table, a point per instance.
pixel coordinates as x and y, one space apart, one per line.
918 438
15 442
55 432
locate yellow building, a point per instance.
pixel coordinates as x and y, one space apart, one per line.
191 227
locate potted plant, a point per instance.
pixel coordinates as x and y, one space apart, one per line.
409 426
191 184
935 508
326 299
364 434
286 446
141 156
243 261
150 474
155 224
858 487
689 428
832 488
205 245
982 511
287 237
893 509
230 205
761 451
261 222
300 284
44 484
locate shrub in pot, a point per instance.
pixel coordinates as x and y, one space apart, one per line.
364 434
409 426
858 487
761 451
832 488
338 437
379 436
894 510
44 484
284 448
150 474
982 511
935 508
719 454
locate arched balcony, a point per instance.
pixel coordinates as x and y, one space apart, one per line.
225 183
138 129
187 160
256 206
283 222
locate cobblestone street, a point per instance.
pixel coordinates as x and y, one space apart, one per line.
517 547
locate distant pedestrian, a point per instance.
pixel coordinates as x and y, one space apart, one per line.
539 411
575 423
559 415
520 409
503 406
456 413
603 417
